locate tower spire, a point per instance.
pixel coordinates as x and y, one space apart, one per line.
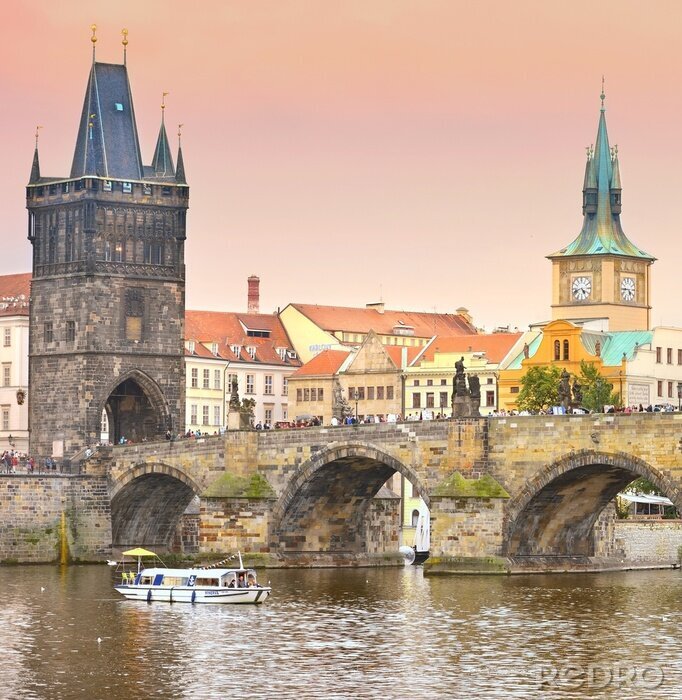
180 170
124 41
162 162
93 39
35 166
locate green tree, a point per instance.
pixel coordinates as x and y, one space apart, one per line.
539 388
596 390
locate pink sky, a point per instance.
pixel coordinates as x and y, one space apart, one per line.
428 152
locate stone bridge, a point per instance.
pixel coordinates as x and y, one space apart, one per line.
513 492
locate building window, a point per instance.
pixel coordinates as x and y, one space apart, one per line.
669 356
557 350
429 399
250 383
489 380
489 398
216 415
299 395
194 382
134 311
204 415
70 331
389 393
514 390
285 386
361 393
443 382
153 253
443 399
236 349
127 187
118 251
565 349
351 393
370 393
659 387
320 394
658 356
679 357
285 413
216 379
429 382
193 414
380 393
206 377
306 394
416 400
268 384
415 517
252 352
231 381
7 374
48 335
416 382
268 415
670 390
313 394
5 417
7 342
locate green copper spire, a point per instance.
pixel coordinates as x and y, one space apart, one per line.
602 233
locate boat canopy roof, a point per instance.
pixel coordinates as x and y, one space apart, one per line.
138 552
199 573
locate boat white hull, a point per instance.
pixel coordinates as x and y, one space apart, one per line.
187 594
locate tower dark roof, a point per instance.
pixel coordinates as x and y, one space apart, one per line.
35 168
180 171
602 233
107 143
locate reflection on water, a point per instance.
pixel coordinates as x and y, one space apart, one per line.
345 633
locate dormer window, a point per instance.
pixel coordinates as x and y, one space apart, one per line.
252 351
106 186
127 187
190 346
236 349
214 348
282 352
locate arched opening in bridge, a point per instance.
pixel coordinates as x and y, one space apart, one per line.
148 511
350 501
566 510
136 410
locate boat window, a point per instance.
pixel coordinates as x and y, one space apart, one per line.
207 582
145 580
174 581
230 580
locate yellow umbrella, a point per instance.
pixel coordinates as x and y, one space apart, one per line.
139 553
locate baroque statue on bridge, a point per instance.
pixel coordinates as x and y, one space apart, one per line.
565 390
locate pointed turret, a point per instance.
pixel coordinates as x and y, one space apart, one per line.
180 171
162 163
601 232
35 168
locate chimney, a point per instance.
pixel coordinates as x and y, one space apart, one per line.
253 295
376 305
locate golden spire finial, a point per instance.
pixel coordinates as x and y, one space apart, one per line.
93 39
124 41
602 96
163 104
37 134
180 134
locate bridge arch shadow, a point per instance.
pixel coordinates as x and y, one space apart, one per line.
325 505
555 513
147 502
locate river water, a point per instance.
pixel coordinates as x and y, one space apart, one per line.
346 633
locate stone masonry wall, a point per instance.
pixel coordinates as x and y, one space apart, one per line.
32 506
382 525
648 542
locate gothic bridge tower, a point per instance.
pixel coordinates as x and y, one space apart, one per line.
602 275
108 291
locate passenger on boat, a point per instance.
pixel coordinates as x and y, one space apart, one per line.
241 583
251 582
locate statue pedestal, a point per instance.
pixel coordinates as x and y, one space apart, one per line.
234 421
475 406
460 407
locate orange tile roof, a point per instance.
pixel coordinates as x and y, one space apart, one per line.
362 320
324 364
227 328
395 352
494 345
15 291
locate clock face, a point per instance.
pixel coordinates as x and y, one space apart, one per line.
582 288
627 288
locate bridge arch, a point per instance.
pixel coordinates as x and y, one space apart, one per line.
147 502
554 514
326 501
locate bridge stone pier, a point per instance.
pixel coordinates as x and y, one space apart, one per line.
505 494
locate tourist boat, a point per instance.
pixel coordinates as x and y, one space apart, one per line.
419 552
195 585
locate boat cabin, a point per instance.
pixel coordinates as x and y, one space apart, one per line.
197 578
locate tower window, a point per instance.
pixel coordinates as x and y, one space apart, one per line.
70 331
565 349
134 312
127 187
557 350
119 106
106 186
48 336
153 253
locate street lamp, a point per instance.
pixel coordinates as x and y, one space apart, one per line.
679 396
357 398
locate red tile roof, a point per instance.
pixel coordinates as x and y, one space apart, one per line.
15 291
325 364
227 328
494 345
362 320
395 352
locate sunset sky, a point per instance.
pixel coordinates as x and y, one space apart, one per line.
429 153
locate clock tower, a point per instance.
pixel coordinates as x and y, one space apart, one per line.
602 274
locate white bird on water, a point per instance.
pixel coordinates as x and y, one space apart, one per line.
99 640
42 588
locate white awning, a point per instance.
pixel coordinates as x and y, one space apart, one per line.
646 498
